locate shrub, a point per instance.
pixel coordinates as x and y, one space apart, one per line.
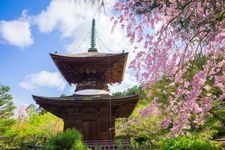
68 140
188 143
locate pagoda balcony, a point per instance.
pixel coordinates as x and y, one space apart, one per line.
108 145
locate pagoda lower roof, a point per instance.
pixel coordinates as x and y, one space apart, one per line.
107 67
121 106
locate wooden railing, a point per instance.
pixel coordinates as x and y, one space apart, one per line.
107 145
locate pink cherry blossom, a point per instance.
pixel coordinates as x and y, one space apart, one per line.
172 33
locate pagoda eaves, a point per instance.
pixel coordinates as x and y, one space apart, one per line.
96 69
121 106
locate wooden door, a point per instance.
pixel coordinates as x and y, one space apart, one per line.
89 130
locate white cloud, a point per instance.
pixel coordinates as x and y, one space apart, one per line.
73 20
105 40
43 79
65 15
17 32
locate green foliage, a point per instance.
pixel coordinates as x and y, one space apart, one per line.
161 90
131 91
142 131
63 95
32 110
218 112
32 127
188 143
148 130
6 112
6 109
6 103
70 139
145 128
210 128
38 128
195 65
39 125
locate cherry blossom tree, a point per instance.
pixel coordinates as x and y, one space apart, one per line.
169 34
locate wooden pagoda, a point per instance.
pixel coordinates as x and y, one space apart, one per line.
91 109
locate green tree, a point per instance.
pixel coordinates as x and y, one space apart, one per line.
32 110
70 139
6 112
37 128
136 90
190 142
34 126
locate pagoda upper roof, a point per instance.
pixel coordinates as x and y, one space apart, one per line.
90 54
107 67
121 106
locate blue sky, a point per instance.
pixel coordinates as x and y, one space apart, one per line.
30 30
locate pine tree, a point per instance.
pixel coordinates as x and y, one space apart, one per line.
6 110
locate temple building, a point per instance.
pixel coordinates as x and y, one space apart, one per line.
91 109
